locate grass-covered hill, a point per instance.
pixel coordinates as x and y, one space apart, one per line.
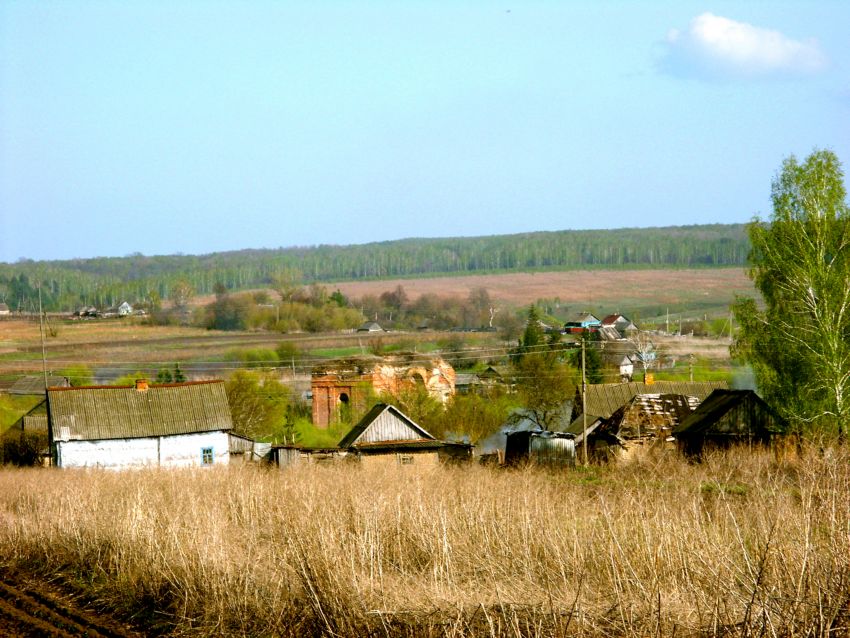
103 281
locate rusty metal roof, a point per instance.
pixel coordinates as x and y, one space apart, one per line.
606 398
119 412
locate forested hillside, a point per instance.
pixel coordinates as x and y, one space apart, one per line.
105 281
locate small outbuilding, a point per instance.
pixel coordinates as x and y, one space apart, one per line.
540 447
385 435
370 326
727 418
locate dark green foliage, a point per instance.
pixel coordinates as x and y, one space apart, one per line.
178 375
167 376
106 281
799 343
22 448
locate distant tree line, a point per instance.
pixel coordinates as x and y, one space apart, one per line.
139 279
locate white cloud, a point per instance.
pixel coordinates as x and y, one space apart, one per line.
719 47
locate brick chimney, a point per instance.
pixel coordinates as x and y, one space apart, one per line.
141 385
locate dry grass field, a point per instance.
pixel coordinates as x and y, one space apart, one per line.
740 545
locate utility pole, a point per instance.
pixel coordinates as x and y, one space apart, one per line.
41 331
583 403
691 367
668 320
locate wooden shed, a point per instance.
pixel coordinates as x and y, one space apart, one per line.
726 418
116 427
387 436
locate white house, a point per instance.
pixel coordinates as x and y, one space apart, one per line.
118 427
125 309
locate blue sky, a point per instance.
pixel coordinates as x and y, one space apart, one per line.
192 127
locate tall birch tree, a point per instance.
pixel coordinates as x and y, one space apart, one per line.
799 341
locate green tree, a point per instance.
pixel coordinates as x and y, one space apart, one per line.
178 375
592 357
258 403
799 343
543 381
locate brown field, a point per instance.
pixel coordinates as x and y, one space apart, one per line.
740 545
584 288
117 347
125 346
580 287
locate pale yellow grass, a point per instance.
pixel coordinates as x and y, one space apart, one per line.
738 545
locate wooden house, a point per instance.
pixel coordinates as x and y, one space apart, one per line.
726 418
116 427
623 415
581 321
385 435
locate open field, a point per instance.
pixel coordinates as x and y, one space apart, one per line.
739 545
117 347
607 289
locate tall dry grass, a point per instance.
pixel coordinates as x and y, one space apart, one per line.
738 545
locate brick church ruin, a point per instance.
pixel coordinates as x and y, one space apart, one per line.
349 383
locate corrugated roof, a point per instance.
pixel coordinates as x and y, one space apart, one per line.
606 398
34 422
34 384
718 404
110 412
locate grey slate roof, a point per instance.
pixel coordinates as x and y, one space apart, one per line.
34 384
110 412
606 398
